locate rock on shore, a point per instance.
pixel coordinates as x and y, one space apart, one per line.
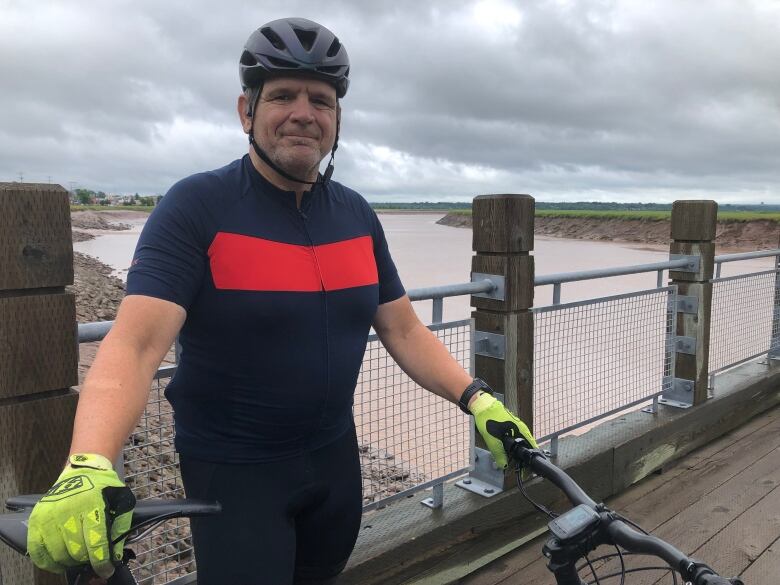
98 293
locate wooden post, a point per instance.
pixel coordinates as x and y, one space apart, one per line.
38 349
503 237
693 233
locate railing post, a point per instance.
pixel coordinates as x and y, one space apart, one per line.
774 345
38 349
693 233
503 237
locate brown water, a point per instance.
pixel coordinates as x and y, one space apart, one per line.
428 254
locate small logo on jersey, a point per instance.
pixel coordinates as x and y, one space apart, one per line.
67 488
80 458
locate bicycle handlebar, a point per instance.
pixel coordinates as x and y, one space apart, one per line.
612 527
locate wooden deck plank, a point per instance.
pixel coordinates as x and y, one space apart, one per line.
658 501
766 568
733 549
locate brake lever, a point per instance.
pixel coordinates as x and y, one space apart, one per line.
520 450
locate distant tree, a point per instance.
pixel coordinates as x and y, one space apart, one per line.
84 196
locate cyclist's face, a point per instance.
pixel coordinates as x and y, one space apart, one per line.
295 123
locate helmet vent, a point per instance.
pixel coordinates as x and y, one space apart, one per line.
248 58
273 38
330 69
307 37
335 46
282 63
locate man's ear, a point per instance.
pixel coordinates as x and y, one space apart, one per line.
244 113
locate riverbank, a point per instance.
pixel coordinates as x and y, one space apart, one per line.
732 235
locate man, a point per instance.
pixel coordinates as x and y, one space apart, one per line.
272 276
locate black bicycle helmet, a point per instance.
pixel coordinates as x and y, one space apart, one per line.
294 46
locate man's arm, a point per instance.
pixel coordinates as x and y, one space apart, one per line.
417 350
116 389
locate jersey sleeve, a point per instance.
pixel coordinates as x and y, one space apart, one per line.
390 286
170 259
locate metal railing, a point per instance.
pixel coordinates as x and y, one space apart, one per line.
598 357
609 354
558 279
745 314
409 438
595 358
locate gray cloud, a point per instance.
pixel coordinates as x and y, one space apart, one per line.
563 99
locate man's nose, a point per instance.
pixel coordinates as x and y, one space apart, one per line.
302 110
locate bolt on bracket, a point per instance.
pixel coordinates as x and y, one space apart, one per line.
678 392
489 344
683 344
684 304
486 479
694 262
500 285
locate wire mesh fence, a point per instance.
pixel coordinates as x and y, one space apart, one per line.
408 437
151 467
744 321
596 357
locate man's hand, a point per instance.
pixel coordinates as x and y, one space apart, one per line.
493 422
75 521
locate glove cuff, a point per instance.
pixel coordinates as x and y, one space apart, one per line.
482 403
90 460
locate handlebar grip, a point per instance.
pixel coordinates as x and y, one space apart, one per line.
84 575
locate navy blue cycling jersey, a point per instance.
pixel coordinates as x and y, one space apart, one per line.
279 304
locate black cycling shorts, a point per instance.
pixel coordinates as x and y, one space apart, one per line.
282 523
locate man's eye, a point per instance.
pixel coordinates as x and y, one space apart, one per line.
323 104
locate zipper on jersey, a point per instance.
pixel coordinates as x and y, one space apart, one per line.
324 293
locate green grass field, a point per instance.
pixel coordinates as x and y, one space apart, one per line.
146 208
644 215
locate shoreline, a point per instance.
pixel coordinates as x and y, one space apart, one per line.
731 235
98 293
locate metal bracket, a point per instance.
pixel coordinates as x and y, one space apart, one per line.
680 395
693 262
685 304
436 501
489 344
684 344
486 480
499 282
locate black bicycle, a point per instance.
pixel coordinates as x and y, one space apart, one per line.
574 534
146 515
588 525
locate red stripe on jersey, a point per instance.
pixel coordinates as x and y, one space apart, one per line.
248 263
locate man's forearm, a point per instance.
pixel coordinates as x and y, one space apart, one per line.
428 362
112 399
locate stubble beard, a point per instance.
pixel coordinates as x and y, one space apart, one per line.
302 167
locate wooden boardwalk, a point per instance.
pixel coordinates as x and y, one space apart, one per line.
720 504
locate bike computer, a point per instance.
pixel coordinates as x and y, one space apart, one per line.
574 522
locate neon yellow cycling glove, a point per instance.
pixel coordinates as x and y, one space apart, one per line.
493 422
75 521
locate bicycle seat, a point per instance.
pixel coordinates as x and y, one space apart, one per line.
13 527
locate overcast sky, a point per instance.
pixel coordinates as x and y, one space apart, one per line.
566 100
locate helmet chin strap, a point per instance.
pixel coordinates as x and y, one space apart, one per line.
321 179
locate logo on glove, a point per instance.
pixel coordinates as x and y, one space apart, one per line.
67 488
